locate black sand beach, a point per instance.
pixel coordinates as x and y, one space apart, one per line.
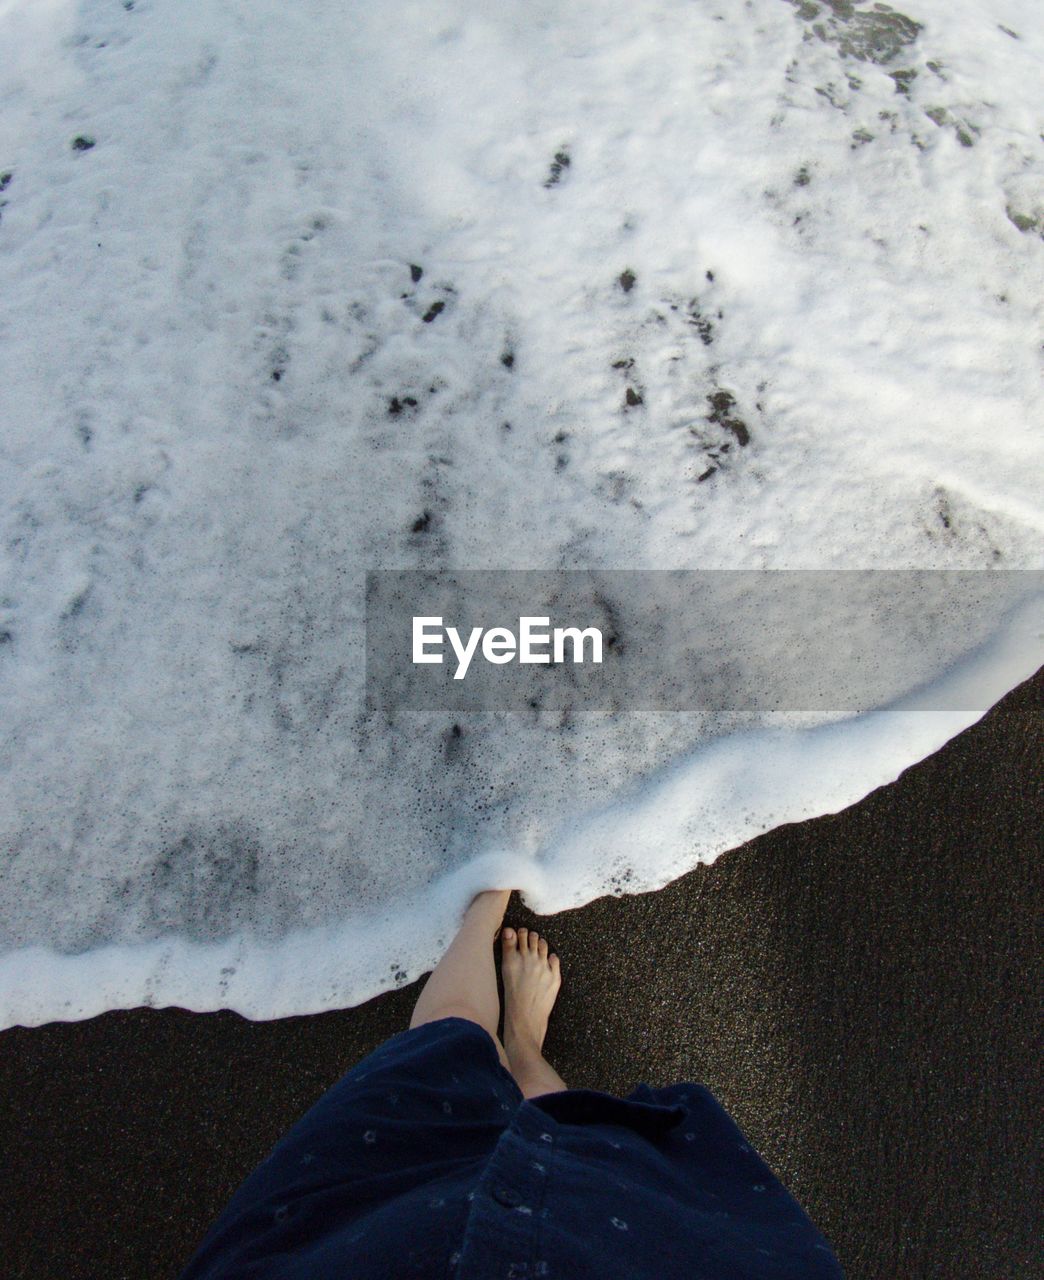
861 991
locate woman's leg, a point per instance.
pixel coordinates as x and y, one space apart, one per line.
532 978
464 982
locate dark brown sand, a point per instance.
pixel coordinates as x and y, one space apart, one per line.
861 992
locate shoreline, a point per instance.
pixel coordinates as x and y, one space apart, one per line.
859 990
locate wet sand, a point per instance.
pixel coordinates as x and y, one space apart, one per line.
861 991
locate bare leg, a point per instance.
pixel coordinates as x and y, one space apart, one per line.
531 981
464 982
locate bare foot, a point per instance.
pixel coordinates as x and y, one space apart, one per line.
531 981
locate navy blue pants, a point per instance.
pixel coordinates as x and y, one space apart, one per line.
424 1160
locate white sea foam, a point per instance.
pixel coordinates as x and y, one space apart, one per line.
721 287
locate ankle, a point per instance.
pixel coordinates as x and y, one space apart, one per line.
486 909
522 1044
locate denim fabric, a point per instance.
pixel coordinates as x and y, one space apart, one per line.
426 1161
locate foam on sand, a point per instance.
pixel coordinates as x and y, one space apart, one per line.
294 292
